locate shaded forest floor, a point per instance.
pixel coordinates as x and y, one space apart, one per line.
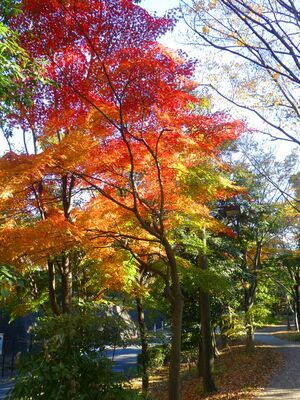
239 375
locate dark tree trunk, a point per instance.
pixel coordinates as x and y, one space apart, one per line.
249 296
297 304
288 321
144 344
177 302
207 351
174 370
66 284
199 360
250 344
51 288
68 182
224 339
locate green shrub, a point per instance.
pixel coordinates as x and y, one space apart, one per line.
157 356
190 337
189 356
297 337
70 363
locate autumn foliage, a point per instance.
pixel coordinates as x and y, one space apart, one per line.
116 151
120 112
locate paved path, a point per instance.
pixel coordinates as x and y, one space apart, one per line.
125 359
5 386
285 384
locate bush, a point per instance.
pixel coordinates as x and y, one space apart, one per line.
157 356
297 337
70 363
190 356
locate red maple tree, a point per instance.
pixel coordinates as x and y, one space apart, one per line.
118 118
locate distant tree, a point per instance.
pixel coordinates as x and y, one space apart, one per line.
259 221
261 72
283 270
284 267
16 67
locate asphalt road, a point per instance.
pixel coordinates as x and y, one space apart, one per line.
125 359
5 386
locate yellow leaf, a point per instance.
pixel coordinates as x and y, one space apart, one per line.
205 29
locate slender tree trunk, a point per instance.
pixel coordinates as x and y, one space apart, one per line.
68 182
287 311
177 303
297 305
67 284
207 352
296 321
288 322
214 344
224 340
51 288
144 344
174 370
199 360
250 344
249 296
294 311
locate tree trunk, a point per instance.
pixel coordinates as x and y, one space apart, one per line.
174 370
207 353
249 296
296 321
51 288
199 360
66 284
177 301
224 339
288 321
144 344
216 352
297 304
250 344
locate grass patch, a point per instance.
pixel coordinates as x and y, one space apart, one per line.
292 336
